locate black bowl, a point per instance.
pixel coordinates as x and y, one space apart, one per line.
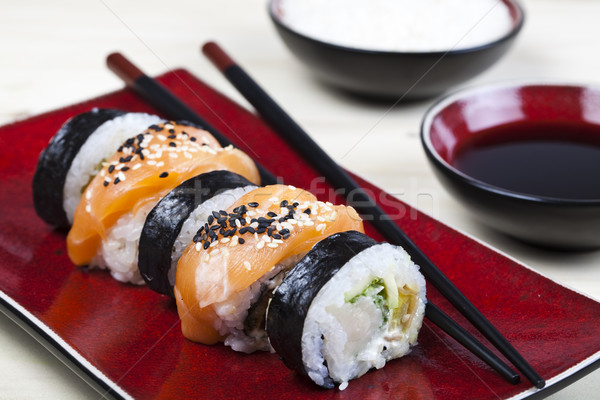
404 75
459 120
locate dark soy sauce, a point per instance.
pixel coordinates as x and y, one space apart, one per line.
541 159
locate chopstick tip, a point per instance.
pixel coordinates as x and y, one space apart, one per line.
123 68
217 56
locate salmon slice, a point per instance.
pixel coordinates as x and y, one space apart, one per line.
240 245
144 169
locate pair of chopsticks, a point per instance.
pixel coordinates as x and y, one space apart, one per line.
167 103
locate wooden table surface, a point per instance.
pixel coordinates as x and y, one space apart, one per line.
53 54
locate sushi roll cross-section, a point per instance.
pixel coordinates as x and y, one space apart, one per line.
74 156
225 276
349 305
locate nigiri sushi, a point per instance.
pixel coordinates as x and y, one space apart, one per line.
110 216
349 305
176 218
224 277
74 156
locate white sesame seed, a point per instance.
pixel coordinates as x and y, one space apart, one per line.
292 221
320 227
160 164
291 187
136 166
309 222
198 246
103 172
161 137
278 226
213 244
187 155
247 265
238 223
173 155
121 176
266 238
151 162
146 152
225 240
260 244
254 225
272 245
228 147
273 199
278 241
88 208
88 194
234 241
207 257
321 219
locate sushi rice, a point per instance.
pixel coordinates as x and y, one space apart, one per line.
99 146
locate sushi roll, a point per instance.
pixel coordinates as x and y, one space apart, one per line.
224 277
110 216
351 304
173 222
74 156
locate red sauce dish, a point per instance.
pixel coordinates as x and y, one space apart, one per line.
524 158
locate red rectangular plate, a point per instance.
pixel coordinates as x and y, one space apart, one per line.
128 338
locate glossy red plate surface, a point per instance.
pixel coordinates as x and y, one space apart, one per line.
128 338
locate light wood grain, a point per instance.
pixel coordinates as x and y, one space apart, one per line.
53 55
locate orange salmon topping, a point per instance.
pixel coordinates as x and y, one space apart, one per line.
144 169
236 247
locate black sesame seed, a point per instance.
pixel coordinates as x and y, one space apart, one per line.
140 137
222 231
215 227
261 229
243 230
223 213
215 214
276 236
307 211
117 180
155 127
125 169
120 149
220 220
282 219
172 144
111 168
284 203
284 231
171 130
296 204
253 204
210 219
129 141
172 136
287 235
193 139
251 230
105 183
241 241
163 175
141 156
271 214
206 245
270 230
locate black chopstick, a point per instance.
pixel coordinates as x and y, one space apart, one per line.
167 103
357 197
157 94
